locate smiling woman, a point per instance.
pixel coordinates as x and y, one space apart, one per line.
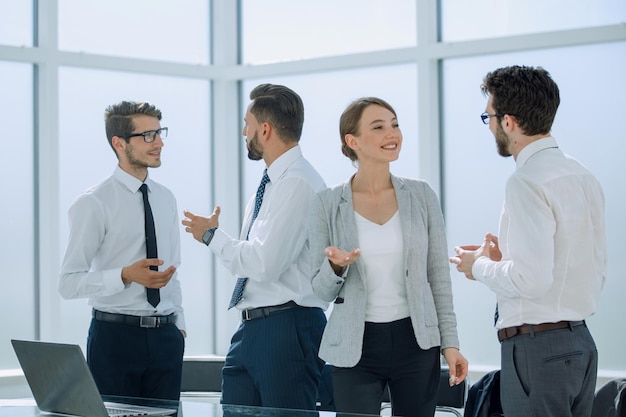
379 252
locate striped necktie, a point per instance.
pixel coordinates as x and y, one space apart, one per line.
241 282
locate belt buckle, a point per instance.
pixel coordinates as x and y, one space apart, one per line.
246 315
148 321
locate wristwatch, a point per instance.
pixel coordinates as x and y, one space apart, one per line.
208 235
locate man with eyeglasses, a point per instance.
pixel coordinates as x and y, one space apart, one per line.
122 254
548 266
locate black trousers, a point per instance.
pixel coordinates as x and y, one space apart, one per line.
133 361
390 356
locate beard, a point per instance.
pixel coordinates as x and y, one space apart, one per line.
255 153
502 142
134 161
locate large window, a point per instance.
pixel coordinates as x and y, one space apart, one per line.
286 30
62 62
16 23
464 20
147 29
17 211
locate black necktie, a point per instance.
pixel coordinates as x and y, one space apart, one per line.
151 244
241 282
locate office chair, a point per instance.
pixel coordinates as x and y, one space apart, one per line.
202 376
483 397
610 399
449 399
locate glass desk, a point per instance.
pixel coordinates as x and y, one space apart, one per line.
186 408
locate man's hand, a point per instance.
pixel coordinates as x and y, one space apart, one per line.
491 242
468 254
197 225
141 273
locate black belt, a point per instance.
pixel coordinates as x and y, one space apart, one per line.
509 332
141 321
256 313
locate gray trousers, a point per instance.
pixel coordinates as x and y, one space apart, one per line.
551 373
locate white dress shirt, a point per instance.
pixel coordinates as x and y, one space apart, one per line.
276 257
107 233
552 238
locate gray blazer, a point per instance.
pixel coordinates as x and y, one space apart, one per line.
426 269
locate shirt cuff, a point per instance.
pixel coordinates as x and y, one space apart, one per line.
480 267
180 321
112 280
220 238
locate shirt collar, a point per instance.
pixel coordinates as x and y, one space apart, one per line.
129 181
532 148
280 165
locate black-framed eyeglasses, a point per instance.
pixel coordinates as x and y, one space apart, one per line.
486 116
149 135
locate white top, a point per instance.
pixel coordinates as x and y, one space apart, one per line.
552 238
107 233
276 257
381 252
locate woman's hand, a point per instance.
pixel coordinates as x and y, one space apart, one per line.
340 258
457 364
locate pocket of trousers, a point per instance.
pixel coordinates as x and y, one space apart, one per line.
562 357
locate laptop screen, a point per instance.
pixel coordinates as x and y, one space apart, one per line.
61 381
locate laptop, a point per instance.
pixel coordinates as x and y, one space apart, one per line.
61 382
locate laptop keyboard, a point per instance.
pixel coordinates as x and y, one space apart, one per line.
120 412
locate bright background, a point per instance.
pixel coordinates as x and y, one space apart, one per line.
62 62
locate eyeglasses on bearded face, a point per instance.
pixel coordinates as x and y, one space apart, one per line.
149 135
486 116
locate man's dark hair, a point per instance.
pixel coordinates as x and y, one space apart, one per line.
281 107
118 118
527 93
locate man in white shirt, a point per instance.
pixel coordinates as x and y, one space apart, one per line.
548 266
272 360
122 254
